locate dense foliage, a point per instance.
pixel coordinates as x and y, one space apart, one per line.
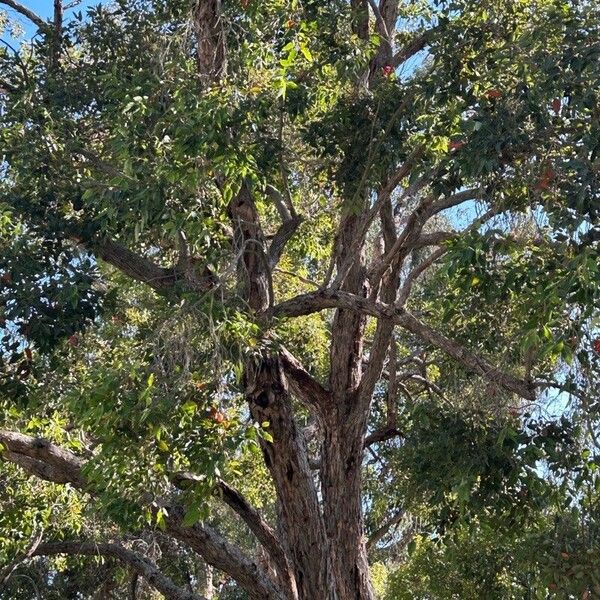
300 299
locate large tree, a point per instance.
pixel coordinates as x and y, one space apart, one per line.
359 236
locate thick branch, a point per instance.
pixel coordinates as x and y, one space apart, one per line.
281 238
382 435
57 465
42 458
414 47
148 570
455 200
317 301
210 40
433 238
146 271
253 519
263 532
303 384
57 33
222 555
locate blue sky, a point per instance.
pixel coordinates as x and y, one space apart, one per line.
43 8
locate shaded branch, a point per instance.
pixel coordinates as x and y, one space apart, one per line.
313 302
377 535
160 279
142 566
383 198
222 555
253 519
414 46
210 40
208 543
382 435
411 233
42 458
410 279
263 532
57 33
433 238
303 384
392 390
281 238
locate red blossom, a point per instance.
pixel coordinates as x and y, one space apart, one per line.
388 70
596 345
556 105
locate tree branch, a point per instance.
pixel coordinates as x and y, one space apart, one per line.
281 238
317 301
263 532
222 555
253 519
381 435
201 538
413 275
148 570
160 279
414 46
42 458
210 40
25 12
377 535
303 384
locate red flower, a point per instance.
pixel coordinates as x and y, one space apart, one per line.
456 145
556 105
546 179
388 70
596 345
73 340
494 94
216 415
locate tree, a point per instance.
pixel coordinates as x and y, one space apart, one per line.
237 226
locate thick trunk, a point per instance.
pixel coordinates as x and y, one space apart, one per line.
341 486
300 521
343 432
266 388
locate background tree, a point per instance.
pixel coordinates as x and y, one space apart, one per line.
322 263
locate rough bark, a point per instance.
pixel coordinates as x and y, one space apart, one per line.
210 40
161 279
301 526
265 535
266 388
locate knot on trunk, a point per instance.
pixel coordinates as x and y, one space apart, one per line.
268 384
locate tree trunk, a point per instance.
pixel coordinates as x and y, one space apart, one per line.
341 486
